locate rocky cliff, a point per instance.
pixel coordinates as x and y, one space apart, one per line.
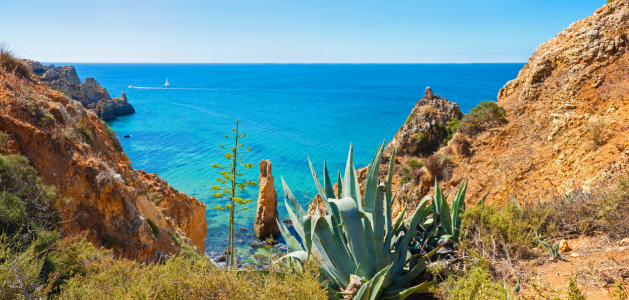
567 115
90 93
265 223
70 148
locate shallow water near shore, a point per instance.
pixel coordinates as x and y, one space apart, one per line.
288 111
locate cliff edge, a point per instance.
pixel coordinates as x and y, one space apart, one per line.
567 114
74 151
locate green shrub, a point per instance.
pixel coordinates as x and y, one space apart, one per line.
451 127
153 227
409 118
484 116
574 292
477 283
113 136
440 166
156 197
86 135
414 164
405 173
9 62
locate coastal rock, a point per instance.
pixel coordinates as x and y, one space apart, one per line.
424 128
567 112
70 149
317 203
90 93
265 223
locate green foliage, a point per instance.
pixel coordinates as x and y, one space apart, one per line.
5 143
27 206
156 197
406 175
451 127
229 179
414 164
154 227
410 117
9 62
477 283
86 135
553 249
574 292
485 115
41 115
620 292
358 236
113 136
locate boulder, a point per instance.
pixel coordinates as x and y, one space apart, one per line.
266 215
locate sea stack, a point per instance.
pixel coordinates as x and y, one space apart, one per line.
265 223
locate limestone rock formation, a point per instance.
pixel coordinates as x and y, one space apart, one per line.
266 215
90 93
70 149
425 127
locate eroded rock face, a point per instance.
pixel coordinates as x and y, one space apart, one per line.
106 196
425 127
265 223
567 113
90 93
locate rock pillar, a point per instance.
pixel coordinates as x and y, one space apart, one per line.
265 223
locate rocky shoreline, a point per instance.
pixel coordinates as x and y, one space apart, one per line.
90 93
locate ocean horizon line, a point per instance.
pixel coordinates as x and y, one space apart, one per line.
284 63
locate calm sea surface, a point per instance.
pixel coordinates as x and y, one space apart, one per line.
287 111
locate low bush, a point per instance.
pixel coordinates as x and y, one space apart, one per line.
440 166
414 164
484 116
461 144
405 175
451 127
41 115
156 197
86 135
11 63
113 136
477 283
598 134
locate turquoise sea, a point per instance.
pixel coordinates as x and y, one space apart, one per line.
288 111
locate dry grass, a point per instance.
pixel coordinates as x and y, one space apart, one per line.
11 63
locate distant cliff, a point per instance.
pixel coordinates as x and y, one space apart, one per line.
89 93
132 212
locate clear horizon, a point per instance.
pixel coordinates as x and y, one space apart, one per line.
286 32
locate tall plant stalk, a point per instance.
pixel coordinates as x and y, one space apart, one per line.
229 178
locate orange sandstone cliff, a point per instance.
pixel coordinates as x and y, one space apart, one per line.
567 119
71 149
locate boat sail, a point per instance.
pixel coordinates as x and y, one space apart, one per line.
166 84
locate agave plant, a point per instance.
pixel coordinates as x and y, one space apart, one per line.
358 236
445 223
553 249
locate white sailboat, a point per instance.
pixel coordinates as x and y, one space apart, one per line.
166 84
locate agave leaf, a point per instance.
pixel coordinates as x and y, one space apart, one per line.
399 293
378 228
339 186
370 239
353 226
415 219
419 267
291 241
320 188
293 201
306 223
327 262
381 281
349 181
337 254
371 181
296 222
364 291
327 184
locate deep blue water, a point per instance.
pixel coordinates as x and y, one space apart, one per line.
287 112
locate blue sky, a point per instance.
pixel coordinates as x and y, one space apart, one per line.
285 31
